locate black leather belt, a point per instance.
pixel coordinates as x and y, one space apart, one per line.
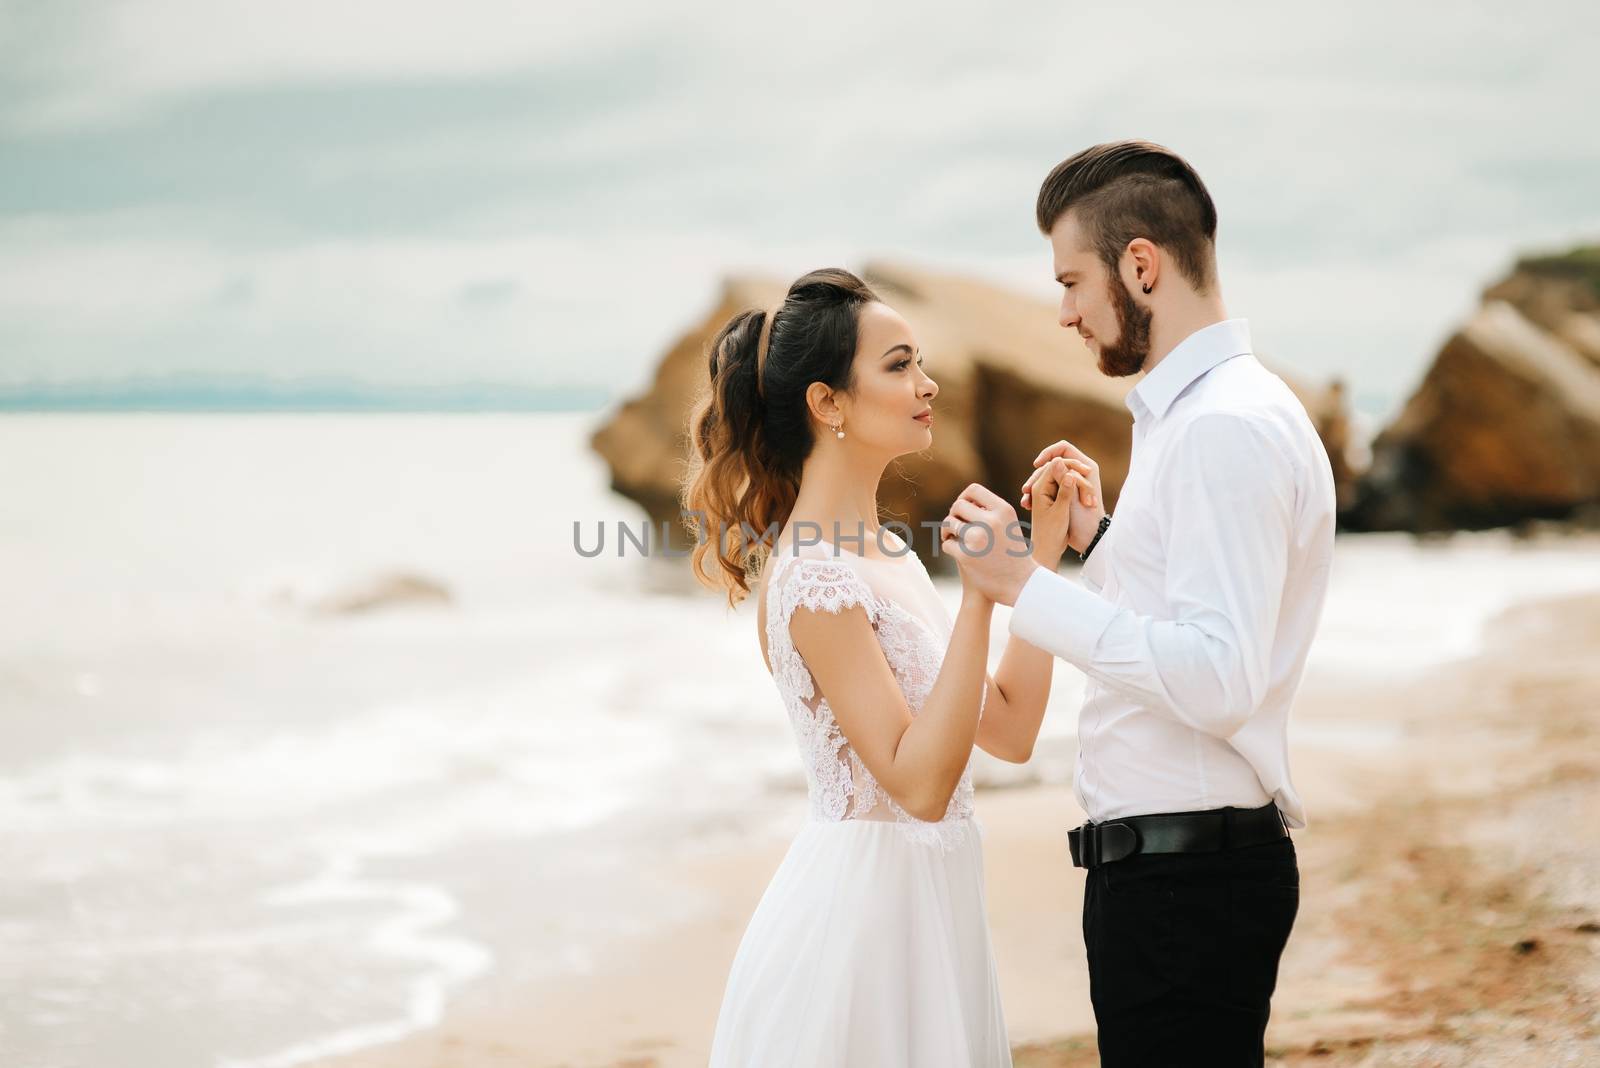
1209 831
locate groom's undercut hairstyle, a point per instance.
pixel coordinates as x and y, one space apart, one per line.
1128 189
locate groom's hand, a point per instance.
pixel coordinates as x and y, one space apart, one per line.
1083 474
983 533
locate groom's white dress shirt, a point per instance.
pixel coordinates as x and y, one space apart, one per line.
1197 609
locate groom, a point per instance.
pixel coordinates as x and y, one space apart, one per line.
1191 619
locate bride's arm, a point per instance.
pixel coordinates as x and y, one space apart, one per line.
917 759
1013 709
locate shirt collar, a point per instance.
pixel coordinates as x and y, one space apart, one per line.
1194 356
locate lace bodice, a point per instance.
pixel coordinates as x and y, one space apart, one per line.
913 629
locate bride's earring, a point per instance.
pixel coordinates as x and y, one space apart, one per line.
838 431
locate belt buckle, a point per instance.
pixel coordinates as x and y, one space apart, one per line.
1075 842
1095 844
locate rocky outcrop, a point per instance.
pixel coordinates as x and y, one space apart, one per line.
1505 426
1010 382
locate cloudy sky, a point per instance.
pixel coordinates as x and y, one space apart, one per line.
539 193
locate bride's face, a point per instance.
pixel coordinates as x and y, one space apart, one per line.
891 387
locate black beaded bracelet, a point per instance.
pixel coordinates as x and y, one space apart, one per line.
1105 522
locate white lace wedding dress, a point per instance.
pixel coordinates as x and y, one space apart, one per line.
870 947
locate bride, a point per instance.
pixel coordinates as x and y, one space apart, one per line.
870 945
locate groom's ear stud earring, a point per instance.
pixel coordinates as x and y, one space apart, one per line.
1147 287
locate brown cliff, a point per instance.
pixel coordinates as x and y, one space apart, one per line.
1505 426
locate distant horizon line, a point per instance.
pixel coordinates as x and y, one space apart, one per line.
199 392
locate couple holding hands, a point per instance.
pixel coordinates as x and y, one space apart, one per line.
1191 618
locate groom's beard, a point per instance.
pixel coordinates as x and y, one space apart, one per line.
1127 355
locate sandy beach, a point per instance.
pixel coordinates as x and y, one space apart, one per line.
1450 911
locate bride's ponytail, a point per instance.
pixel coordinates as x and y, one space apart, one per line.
734 491
751 430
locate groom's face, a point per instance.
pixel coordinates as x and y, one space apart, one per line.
1097 304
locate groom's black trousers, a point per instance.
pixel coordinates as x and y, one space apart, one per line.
1183 953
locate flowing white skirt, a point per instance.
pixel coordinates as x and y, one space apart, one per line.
867 949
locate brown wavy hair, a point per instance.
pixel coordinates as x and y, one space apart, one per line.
749 439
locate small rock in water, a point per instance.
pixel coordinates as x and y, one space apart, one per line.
386 590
